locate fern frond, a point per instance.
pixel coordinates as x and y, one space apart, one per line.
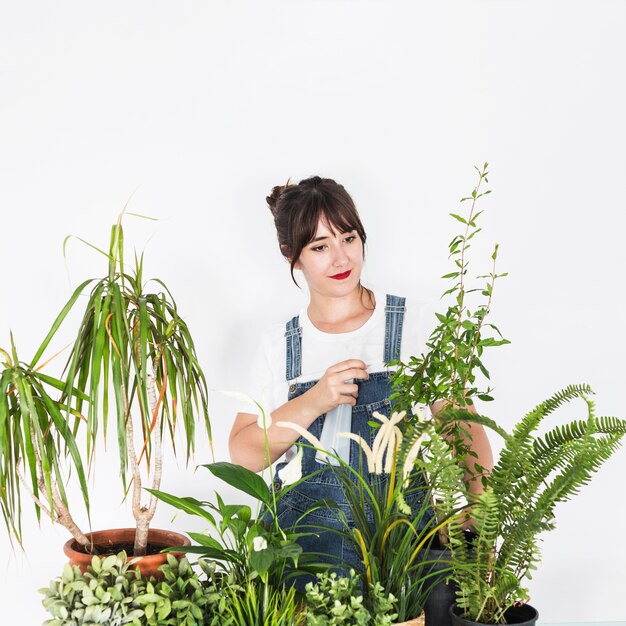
514 457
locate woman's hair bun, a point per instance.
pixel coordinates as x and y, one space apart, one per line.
272 199
313 181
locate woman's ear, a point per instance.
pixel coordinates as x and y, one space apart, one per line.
296 265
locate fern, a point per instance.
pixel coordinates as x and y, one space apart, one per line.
533 475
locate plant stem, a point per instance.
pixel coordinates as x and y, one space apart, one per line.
461 296
60 513
144 514
482 320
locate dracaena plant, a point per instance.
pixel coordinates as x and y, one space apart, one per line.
447 369
132 350
35 435
533 475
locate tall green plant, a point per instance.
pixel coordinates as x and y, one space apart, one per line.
533 474
447 369
132 346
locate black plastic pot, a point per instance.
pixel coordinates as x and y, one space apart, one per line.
524 615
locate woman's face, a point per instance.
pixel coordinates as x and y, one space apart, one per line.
332 262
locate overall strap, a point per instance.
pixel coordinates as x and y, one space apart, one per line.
293 337
394 318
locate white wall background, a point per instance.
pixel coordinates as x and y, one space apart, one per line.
199 108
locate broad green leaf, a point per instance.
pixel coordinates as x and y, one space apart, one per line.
242 479
187 504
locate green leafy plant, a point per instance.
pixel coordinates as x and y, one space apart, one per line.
246 546
335 601
447 370
35 436
112 592
392 525
533 474
132 346
252 559
261 605
105 594
181 598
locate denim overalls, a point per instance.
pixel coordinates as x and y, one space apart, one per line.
373 396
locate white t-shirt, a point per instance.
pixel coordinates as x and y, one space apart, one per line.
320 350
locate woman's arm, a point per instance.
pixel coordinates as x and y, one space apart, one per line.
479 444
247 440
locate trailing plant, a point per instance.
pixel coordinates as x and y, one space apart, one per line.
446 371
533 474
132 346
112 592
335 601
105 594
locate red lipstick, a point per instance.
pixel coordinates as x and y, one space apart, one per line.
342 276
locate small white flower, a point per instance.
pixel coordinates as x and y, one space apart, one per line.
259 543
292 472
422 411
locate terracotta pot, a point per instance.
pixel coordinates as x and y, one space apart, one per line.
418 621
104 539
523 615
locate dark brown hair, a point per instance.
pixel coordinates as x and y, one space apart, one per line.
297 210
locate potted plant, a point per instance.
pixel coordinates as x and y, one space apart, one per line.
533 474
393 530
112 592
515 502
132 350
249 557
336 600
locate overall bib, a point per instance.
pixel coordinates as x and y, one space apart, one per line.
373 395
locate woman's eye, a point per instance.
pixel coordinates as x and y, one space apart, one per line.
318 248
350 239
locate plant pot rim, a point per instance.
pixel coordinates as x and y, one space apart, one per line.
148 564
416 621
156 536
531 618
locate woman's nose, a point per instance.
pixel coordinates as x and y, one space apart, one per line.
341 258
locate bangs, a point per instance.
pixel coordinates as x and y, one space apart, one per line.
339 216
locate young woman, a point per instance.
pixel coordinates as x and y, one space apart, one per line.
334 352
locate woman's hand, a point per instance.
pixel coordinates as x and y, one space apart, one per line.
336 387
